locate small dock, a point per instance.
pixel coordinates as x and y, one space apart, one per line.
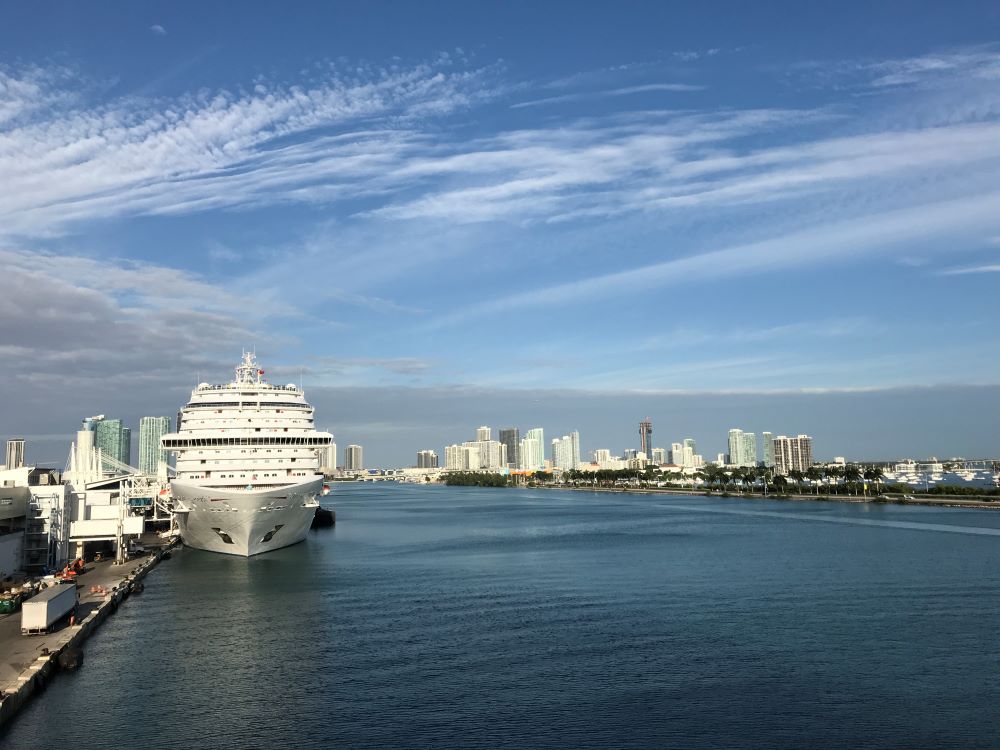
28 662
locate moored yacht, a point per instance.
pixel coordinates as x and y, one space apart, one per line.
247 464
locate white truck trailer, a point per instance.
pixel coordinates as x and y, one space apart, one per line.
42 611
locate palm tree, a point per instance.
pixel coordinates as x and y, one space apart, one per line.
875 474
814 474
852 474
798 476
834 473
713 474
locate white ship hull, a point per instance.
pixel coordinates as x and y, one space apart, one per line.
244 522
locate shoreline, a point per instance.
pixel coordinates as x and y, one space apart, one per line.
44 650
943 502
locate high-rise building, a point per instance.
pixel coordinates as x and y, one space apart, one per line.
566 451
538 435
531 454
749 455
646 436
792 453
328 458
483 434
511 438
768 440
114 441
659 456
742 448
354 458
427 460
15 453
463 457
677 454
151 429
492 453
561 453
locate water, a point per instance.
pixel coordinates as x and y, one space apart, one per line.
459 617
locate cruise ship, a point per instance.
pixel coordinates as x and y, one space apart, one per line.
247 473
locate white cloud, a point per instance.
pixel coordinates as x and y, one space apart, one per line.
133 156
158 30
987 268
362 136
981 62
624 91
820 244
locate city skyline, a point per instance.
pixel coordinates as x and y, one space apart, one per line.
874 426
800 200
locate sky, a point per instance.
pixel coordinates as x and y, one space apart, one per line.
780 216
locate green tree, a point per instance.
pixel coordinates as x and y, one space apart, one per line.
852 475
875 474
798 476
814 474
835 473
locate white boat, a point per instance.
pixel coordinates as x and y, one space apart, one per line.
247 465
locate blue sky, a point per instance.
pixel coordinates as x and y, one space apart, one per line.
656 201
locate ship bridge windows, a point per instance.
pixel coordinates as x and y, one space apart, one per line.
223 442
256 404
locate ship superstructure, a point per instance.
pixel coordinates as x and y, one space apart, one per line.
247 473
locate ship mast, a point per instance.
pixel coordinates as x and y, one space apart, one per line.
247 371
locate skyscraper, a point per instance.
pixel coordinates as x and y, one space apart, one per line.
328 457
677 454
768 439
511 437
427 460
659 456
462 457
742 448
561 453
531 455
792 453
646 437
151 429
566 451
538 435
353 458
492 453
749 456
114 441
483 434
15 453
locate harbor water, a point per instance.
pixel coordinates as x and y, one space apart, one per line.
484 618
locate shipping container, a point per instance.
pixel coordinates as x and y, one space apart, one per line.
42 611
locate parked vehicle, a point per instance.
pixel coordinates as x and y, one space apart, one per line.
45 609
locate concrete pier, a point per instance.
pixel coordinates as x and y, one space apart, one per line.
26 667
